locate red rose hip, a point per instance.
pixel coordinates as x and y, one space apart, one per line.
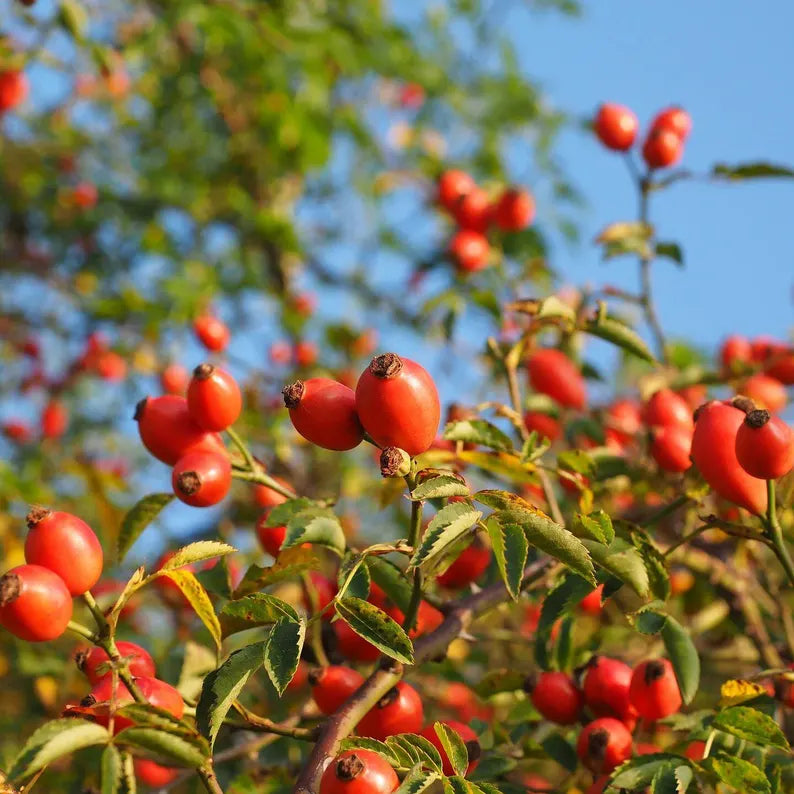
398 711
212 332
323 411
470 564
397 403
66 545
470 250
654 689
333 685
670 448
556 697
552 373
214 401
94 662
765 446
358 772
662 148
675 119
616 126
606 685
666 408
201 478
515 210
604 744
152 774
452 185
34 603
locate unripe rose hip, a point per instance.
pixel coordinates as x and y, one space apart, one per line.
397 403
202 478
34 603
214 400
66 545
765 445
323 411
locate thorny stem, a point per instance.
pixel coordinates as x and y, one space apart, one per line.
775 533
342 722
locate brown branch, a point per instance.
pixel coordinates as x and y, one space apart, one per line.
342 722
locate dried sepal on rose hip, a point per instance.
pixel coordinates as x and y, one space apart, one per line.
359 772
323 411
214 400
66 545
604 744
394 462
765 445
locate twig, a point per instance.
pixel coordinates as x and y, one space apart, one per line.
342 722
262 724
414 533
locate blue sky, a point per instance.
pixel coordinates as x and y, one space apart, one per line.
727 64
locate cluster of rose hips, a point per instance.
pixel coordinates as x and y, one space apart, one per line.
616 127
474 211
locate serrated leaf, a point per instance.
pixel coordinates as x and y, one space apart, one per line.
670 251
198 599
454 747
641 770
318 526
417 781
128 783
391 579
217 579
751 171
260 608
618 333
683 777
649 621
441 486
196 552
283 652
290 563
144 715
110 770
561 751
621 559
565 595
684 657
510 548
375 626
502 500
420 748
222 686
598 525
664 782
479 432
751 725
353 578
448 526
138 517
52 741
375 745
502 464
551 538
133 583
741 775
172 749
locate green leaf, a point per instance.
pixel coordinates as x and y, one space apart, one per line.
260 608
649 621
623 560
283 652
110 769
198 599
565 595
419 747
222 686
353 578
417 781
197 552
510 549
551 538
502 500
479 432
133 584
290 563
375 745
684 657
665 781
442 486
391 579
641 770
375 626
164 745
683 777
52 741
598 525
576 460
671 251
752 725
139 516
737 773
454 747
144 715
561 751
618 333
448 526
315 525
280 515
751 171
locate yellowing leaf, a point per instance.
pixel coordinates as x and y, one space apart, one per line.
738 691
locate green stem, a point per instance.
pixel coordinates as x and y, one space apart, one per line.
208 778
414 534
255 473
775 533
243 447
665 511
99 616
315 626
83 631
